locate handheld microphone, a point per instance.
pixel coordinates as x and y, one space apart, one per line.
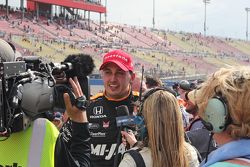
123 118
122 111
128 120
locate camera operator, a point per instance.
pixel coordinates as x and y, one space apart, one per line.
38 142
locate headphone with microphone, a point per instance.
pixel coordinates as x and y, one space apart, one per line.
142 127
152 91
216 116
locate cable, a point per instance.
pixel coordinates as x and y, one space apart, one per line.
210 139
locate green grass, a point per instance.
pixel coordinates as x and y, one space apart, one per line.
222 62
165 61
177 41
54 52
241 45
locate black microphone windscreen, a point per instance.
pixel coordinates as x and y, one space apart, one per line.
122 110
83 65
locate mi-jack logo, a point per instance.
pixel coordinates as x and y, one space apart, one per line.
14 165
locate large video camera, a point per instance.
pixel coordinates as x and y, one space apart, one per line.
28 90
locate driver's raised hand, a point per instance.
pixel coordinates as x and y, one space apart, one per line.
76 114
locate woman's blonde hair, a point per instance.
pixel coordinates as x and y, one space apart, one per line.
163 120
233 84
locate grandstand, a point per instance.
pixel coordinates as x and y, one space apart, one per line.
167 54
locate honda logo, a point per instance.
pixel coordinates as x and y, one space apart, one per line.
98 110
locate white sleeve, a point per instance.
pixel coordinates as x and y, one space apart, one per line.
191 155
127 161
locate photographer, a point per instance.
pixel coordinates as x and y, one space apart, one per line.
27 137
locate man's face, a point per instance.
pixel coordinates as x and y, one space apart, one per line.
181 92
191 108
116 81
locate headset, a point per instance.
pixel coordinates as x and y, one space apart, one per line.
216 116
152 91
142 129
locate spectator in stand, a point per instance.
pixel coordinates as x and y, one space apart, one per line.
223 102
152 82
163 144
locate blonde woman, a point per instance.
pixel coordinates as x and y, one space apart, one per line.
223 102
165 145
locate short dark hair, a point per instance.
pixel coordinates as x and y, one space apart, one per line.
153 82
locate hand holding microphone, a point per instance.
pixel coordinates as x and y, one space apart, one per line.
129 138
126 123
122 113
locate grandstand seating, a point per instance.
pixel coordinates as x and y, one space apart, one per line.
9 28
242 46
35 29
164 53
87 35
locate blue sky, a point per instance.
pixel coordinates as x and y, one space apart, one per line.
226 18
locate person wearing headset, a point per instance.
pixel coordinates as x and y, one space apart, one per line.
164 144
223 102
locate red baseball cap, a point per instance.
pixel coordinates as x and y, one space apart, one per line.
120 58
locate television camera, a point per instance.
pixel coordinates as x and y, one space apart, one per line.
28 90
